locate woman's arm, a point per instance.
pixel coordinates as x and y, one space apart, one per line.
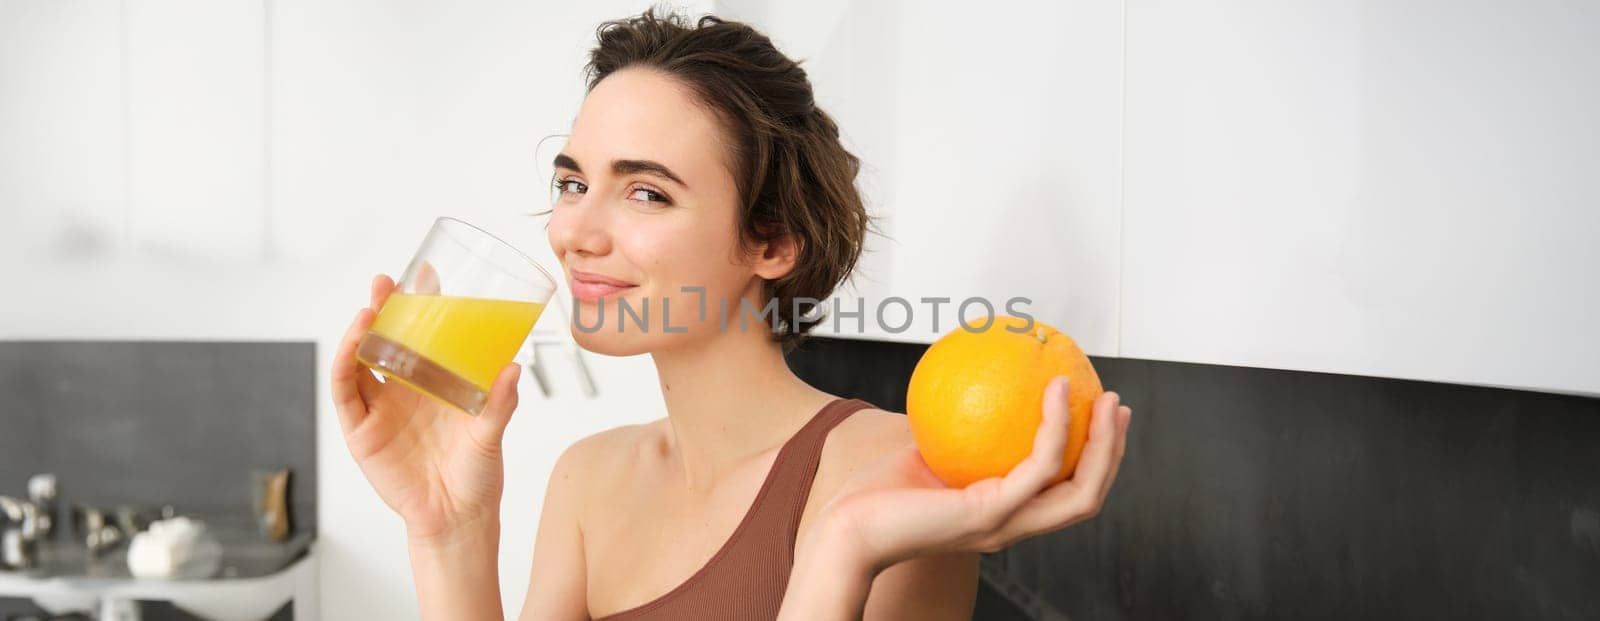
557 587
831 577
934 588
439 469
458 577
898 511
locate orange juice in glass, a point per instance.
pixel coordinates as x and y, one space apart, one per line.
458 315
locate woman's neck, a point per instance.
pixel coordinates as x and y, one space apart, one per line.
730 397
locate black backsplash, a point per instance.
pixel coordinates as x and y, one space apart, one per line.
161 422
1266 494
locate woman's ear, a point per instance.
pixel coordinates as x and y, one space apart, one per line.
777 257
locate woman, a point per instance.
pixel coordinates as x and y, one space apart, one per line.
698 175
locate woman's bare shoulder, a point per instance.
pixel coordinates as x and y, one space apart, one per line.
876 427
599 461
614 447
861 439
583 474
609 440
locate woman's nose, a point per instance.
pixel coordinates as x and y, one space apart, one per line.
580 227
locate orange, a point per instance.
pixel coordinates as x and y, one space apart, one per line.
976 397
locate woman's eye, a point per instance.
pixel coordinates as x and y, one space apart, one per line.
649 196
565 187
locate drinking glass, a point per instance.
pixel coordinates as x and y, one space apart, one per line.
458 315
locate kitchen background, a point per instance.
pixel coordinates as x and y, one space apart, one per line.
1391 192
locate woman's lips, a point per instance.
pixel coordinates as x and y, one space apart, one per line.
590 287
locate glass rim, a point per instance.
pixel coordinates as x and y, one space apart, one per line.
542 271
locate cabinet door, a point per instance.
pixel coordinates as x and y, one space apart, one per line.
61 140
1390 189
991 150
196 128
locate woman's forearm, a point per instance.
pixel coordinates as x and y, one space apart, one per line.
830 579
458 577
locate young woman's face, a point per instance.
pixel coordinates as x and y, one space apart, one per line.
645 199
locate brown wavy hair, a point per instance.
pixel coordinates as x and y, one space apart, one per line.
794 176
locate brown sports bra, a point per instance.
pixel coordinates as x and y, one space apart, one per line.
746 578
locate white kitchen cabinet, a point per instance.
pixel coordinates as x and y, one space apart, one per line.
197 128
61 140
133 129
1390 189
990 145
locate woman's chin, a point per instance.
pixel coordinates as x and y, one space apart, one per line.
639 322
607 340
610 343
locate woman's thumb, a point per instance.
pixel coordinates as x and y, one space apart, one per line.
502 403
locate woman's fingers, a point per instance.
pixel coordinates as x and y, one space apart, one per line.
382 286
1081 496
1095 463
426 280
367 384
353 385
347 372
489 428
1026 479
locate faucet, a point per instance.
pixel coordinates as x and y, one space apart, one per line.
42 493
25 523
19 534
98 529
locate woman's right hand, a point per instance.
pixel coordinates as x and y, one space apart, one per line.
438 467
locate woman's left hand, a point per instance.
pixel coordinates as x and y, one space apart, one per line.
898 509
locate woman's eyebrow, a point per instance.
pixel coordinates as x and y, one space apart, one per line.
624 167
565 161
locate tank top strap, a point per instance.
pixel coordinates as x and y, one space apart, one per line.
794 471
809 439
